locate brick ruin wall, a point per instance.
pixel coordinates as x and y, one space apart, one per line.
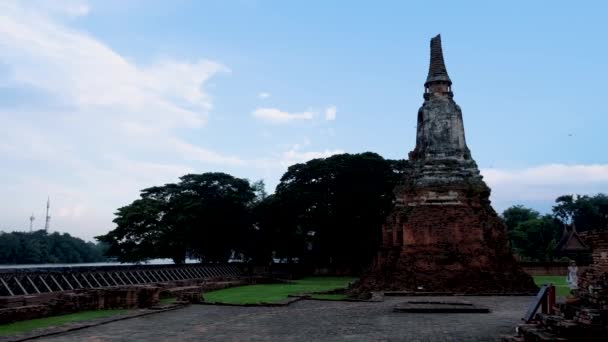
456 244
25 307
598 242
584 314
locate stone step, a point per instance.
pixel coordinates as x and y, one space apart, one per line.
538 333
439 307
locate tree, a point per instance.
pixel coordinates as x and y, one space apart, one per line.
330 211
205 216
217 209
141 233
9 248
536 238
586 212
277 232
40 248
259 188
517 214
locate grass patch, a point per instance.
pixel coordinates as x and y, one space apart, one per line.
561 286
24 326
271 293
332 296
165 301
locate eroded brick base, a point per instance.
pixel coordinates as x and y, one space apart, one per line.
455 244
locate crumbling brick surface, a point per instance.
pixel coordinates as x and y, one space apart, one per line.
597 240
18 308
21 313
459 248
583 316
29 307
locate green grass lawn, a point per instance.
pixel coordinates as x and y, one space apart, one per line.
270 293
23 326
169 300
561 287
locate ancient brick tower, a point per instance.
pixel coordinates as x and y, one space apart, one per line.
443 235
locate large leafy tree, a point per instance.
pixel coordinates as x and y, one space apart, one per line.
535 239
205 215
585 212
216 212
142 233
534 236
517 214
329 211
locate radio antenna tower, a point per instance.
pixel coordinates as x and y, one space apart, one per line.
32 218
48 217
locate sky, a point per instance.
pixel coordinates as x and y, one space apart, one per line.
100 99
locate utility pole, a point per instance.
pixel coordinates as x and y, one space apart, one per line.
32 218
48 216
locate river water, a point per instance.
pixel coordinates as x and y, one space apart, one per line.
149 262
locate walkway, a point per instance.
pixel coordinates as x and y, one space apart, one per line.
314 321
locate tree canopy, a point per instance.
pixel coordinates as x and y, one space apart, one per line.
324 211
41 248
534 236
585 212
329 211
206 216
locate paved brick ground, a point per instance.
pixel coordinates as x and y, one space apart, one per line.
314 321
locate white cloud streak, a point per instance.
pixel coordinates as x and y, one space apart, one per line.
294 154
544 183
330 113
277 116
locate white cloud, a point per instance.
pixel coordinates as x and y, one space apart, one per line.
73 212
106 126
189 151
294 154
77 9
330 113
276 116
63 8
84 73
264 95
544 183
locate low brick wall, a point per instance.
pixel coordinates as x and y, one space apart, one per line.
29 307
598 241
548 268
18 308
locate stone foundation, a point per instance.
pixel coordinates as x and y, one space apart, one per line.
445 239
29 307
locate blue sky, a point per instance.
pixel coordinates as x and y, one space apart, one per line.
99 99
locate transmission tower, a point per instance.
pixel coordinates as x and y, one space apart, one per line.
32 218
48 216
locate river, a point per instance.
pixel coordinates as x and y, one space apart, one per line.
111 263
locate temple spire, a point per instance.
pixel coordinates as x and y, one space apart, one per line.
437 69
